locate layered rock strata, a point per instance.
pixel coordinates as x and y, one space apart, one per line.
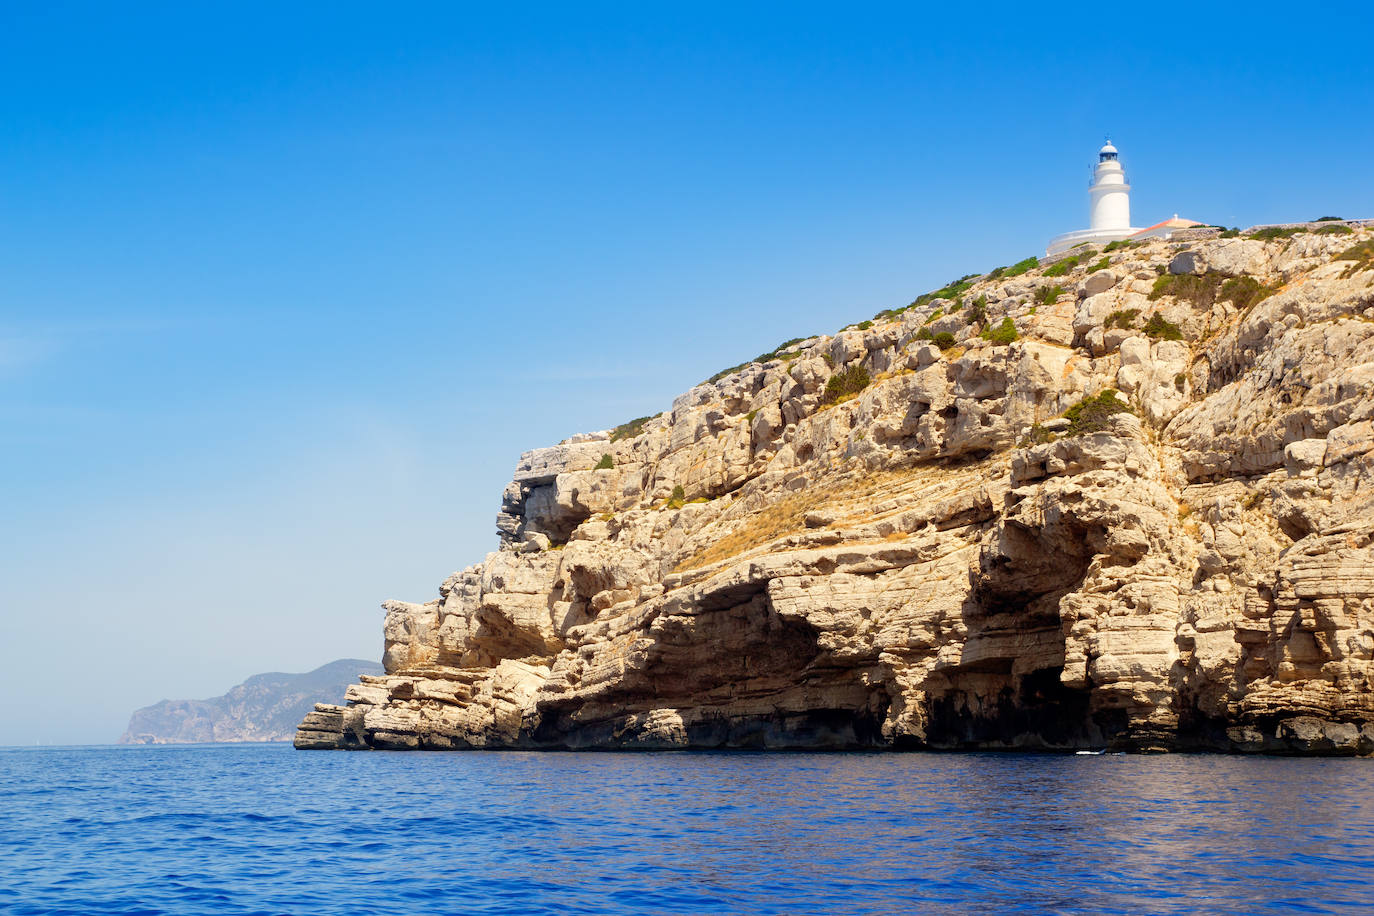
965 554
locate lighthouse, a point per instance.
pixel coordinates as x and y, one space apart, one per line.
1109 217
1111 195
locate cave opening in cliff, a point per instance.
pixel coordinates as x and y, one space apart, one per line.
992 708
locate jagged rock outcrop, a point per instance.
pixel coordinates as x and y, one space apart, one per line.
266 707
981 548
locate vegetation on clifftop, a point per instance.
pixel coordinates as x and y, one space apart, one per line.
1015 270
1363 256
631 429
1059 268
1200 290
784 350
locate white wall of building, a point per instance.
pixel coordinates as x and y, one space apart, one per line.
1110 194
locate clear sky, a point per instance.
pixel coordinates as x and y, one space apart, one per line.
285 290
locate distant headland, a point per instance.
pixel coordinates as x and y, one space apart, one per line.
266 707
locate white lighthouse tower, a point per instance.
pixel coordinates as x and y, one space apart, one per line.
1111 195
1110 216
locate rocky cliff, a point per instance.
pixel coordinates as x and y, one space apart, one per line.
1120 500
266 707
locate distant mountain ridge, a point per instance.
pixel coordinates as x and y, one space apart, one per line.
265 707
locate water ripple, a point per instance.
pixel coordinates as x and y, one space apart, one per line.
264 829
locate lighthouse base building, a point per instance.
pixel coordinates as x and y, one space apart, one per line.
1110 216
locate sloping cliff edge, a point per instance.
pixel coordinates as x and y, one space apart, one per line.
1122 500
265 707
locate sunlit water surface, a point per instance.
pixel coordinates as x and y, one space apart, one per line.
265 829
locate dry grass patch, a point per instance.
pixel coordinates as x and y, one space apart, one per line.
787 515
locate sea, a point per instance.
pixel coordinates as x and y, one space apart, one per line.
240 829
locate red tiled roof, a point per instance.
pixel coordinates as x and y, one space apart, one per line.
1172 223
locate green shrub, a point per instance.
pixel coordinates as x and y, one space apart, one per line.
781 351
1199 290
944 340
865 325
1363 256
1361 252
1337 229
631 429
1036 435
935 315
923 334
1117 246
1161 328
1244 292
1229 234
950 291
1047 294
676 498
1001 335
1121 318
1094 413
1328 219
845 384
724 372
953 290
1100 265
749 417
1270 233
605 464
1059 268
977 311
1015 270
890 313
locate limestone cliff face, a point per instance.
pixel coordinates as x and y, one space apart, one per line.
947 560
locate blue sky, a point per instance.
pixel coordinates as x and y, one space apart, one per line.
285 292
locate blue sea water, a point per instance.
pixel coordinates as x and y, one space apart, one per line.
266 829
